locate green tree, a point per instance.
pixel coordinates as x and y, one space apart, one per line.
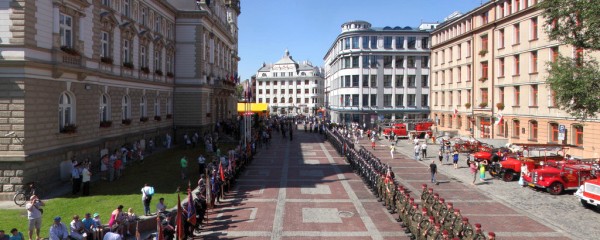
574 80
239 91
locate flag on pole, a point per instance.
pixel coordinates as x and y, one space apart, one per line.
137 231
221 172
159 230
179 219
208 191
191 209
455 112
499 118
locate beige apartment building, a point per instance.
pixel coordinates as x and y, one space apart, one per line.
81 78
491 64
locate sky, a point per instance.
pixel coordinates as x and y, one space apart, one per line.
307 28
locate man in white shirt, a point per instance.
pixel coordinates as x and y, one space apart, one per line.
77 228
201 164
160 206
424 149
417 151
146 198
416 140
34 215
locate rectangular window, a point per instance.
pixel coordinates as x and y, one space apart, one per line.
126 54
424 100
373 81
484 42
534 95
468 48
354 80
411 100
458 74
534 62
411 81
106 3
126 8
66 30
424 62
468 73
365 42
501 95
469 95
554 132
517 65
518 5
484 18
517 33
554 54
533 129
365 61
425 43
410 62
424 81
346 42
365 100
501 38
144 19
354 42
399 62
484 71
516 129
387 100
157 60
501 10
355 62
105 43
517 94
373 100
458 51
387 81
399 42
143 57
399 100
534 28
509 7
435 99
373 42
365 80
459 97
355 100
578 138
298 91
450 98
387 42
399 81
484 95
411 42
501 67
387 61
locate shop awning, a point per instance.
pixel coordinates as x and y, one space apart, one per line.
253 107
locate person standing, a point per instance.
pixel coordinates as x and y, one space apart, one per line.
473 169
58 230
201 164
184 164
482 171
392 150
455 159
424 149
34 215
147 192
433 170
440 156
86 176
373 141
524 172
168 141
426 137
447 155
417 151
76 177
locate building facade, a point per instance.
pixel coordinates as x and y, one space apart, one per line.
81 78
489 78
378 73
290 88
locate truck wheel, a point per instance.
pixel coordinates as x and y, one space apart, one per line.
507 176
556 188
585 204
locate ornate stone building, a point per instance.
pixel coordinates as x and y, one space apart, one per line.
378 73
80 78
489 78
290 88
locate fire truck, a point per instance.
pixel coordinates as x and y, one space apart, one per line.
406 128
532 155
589 192
563 175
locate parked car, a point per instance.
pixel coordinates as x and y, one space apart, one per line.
589 193
560 176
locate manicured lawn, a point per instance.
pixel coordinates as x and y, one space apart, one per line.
160 170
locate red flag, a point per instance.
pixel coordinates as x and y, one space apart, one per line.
159 229
179 219
191 209
221 173
455 112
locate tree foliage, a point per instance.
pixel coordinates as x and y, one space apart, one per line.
575 81
239 91
576 86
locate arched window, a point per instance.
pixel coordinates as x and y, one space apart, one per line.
282 100
303 74
578 134
157 107
516 128
125 108
442 120
169 106
143 109
66 110
264 75
291 100
533 130
104 108
274 100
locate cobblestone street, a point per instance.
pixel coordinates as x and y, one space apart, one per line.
303 189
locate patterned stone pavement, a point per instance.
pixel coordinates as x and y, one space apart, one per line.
302 189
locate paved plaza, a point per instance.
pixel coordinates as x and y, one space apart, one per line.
303 189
